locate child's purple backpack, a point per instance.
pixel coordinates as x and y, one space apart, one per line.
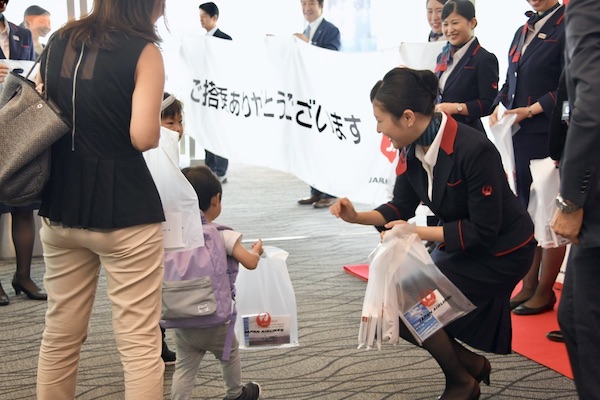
199 285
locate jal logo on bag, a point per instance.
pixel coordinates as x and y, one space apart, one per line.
263 319
427 298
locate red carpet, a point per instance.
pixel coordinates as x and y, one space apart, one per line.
360 271
529 339
529 332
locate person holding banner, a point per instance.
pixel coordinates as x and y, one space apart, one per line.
486 235
209 14
434 18
535 62
320 33
468 73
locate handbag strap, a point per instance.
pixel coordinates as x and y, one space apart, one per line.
45 52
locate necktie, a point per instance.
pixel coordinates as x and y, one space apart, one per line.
529 26
533 18
445 59
433 37
307 32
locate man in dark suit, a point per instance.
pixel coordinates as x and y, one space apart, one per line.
209 14
578 216
321 33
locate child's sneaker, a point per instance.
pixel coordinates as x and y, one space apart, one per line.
250 391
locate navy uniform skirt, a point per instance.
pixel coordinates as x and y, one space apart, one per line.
488 282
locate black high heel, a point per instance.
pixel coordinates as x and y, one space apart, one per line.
4 300
474 395
38 294
484 374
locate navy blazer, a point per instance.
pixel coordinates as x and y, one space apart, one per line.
327 36
220 34
473 81
471 196
534 78
20 42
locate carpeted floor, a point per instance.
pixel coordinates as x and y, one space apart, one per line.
529 332
262 203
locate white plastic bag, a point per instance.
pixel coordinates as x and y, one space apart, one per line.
182 229
405 283
542 205
501 136
427 300
266 304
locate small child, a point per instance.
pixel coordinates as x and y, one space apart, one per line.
171 117
192 344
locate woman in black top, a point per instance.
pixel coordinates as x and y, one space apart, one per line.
100 206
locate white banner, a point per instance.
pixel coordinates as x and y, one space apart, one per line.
283 104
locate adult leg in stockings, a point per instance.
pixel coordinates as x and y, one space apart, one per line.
460 384
537 295
23 233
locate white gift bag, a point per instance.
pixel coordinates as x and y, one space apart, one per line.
266 304
405 283
542 205
501 136
182 229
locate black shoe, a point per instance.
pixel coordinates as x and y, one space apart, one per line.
168 356
555 336
4 300
524 310
515 304
309 200
484 374
250 391
37 294
325 202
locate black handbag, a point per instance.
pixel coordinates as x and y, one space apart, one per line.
29 124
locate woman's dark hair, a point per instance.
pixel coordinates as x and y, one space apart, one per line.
205 183
406 89
464 8
132 17
175 108
439 1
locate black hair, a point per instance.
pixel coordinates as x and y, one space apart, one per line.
132 17
175 108
205 183
404 89
464 8
439 1
35 10
210 8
